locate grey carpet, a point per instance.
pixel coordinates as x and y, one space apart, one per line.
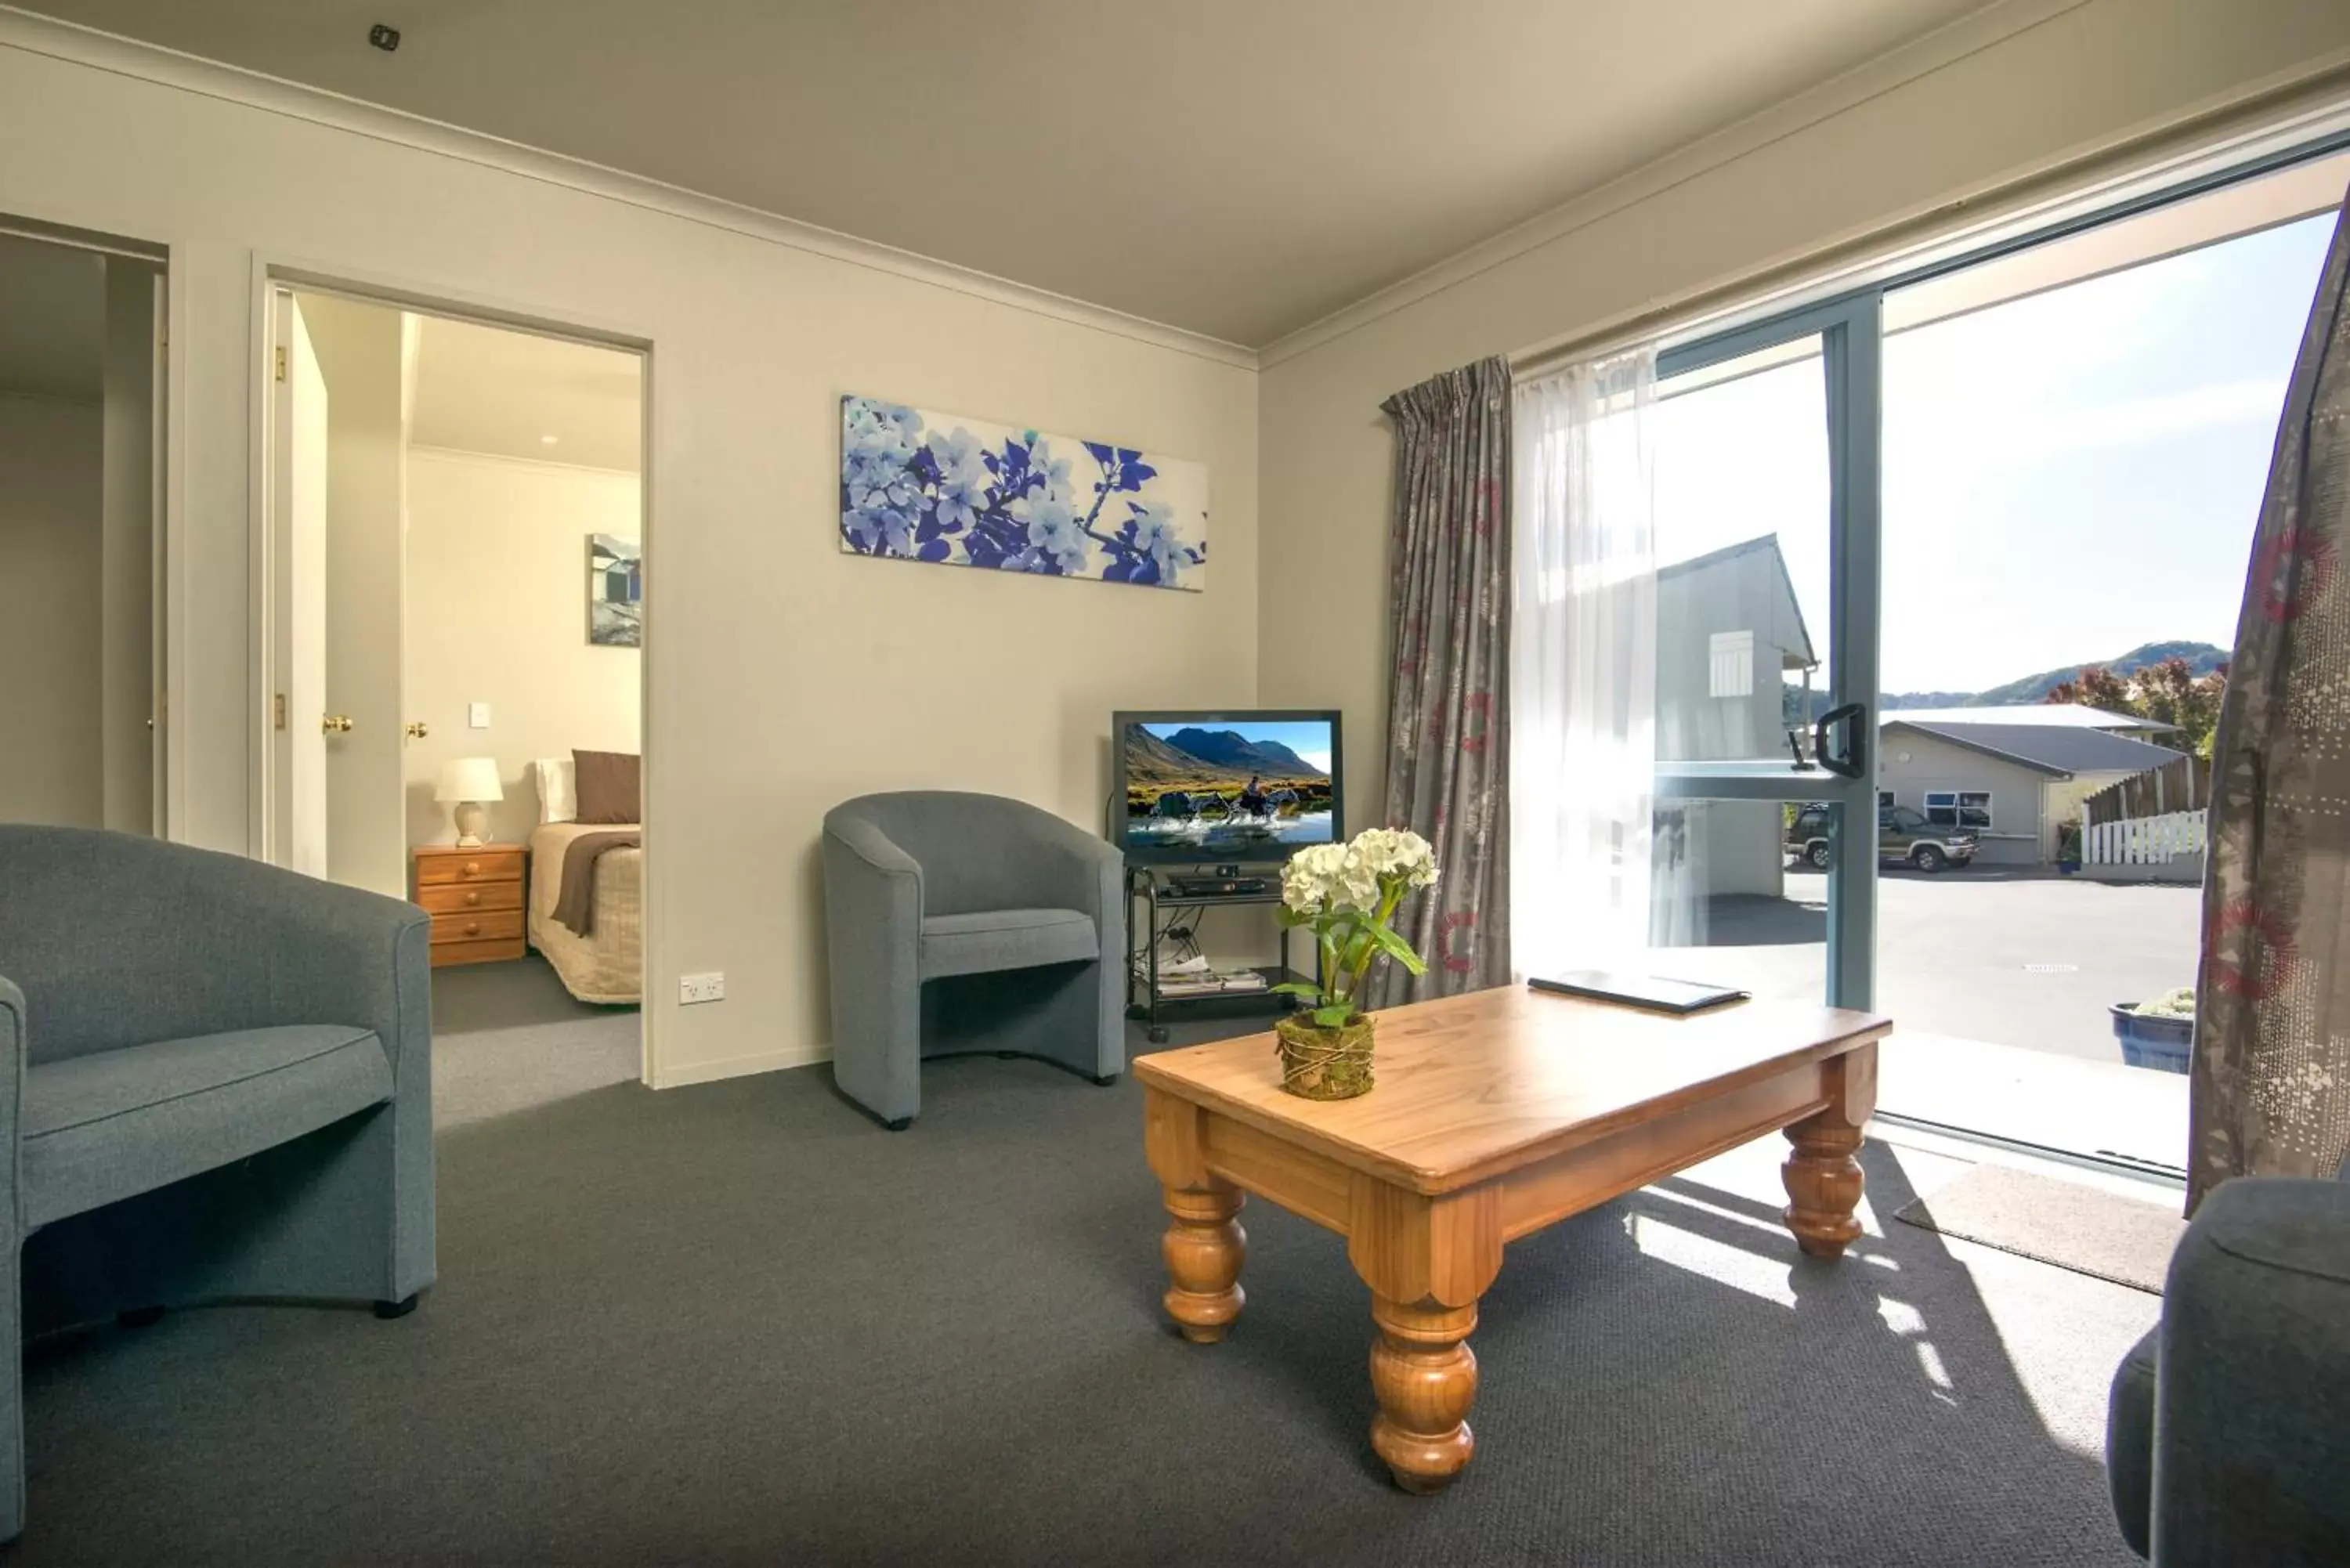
2068 1223
507 1037
739 1322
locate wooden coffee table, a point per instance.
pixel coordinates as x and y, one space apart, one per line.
1494 1115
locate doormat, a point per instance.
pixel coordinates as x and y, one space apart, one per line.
2068 1223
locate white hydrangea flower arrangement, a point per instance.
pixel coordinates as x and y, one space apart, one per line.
1347 894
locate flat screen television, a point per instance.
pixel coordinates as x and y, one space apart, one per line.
1238 788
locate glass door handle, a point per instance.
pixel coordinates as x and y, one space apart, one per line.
1853 762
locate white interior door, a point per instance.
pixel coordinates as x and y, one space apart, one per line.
360 350
299 533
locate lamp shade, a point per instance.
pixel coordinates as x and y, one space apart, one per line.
468 778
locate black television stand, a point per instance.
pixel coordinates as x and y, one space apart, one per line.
1142 942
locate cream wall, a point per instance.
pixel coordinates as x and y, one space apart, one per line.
785 676
2027 87
496 612
50 693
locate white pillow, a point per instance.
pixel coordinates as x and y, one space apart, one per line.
558 795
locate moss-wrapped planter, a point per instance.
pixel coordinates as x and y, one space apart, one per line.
1320 1063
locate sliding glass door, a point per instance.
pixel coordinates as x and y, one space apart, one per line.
1765 508
1884 741
2078 436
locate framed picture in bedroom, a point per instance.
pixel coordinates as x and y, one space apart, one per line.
615 591
919 485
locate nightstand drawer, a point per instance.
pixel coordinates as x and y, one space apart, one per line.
462 898
500 925
487 866
447 953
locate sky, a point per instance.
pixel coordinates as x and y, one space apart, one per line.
1309 739
2066 475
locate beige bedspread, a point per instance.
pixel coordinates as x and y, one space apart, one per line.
608 967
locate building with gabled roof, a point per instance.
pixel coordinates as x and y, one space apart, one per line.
2015 785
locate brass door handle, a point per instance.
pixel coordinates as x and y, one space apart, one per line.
418 731
335 724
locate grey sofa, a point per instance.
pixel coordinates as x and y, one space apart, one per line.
968 922
2228 1436
217 1084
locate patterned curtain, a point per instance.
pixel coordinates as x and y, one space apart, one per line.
2271 1092
1448 704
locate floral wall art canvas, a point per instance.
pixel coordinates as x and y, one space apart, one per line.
923 487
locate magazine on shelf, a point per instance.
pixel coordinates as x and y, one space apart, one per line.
1199 980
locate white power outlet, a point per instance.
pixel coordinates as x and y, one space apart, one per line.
694 987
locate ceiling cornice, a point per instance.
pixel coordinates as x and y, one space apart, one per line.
39 34
1873 79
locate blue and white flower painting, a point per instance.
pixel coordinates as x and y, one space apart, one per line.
925 486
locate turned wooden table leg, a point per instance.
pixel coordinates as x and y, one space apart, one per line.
1824 1181
1427 1259
1822 1178
1425 1379
1203 1249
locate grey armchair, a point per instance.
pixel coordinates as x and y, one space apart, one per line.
968 922
217 1082
2228 1437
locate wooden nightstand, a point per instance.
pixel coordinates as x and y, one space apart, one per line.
475 897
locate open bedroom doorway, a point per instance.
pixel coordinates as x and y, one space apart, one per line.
82 384
453 683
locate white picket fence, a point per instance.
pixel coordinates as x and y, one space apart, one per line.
2143 840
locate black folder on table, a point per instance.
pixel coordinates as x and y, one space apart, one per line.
1656 994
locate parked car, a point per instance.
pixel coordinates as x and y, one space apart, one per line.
1904 838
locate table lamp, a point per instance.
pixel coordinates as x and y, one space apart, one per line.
466 782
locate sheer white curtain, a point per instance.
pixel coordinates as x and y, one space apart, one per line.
1582 667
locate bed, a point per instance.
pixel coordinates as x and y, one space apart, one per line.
607 964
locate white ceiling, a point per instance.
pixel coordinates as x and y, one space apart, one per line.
489 390
52 320
1240 168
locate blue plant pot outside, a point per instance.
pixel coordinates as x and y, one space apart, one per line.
2162 1043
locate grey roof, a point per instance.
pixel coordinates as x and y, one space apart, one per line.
2069 713
2060 751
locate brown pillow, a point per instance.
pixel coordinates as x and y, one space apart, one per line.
606 785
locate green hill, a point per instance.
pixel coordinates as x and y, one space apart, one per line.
2201 657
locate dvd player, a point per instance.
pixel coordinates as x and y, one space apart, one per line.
1217 887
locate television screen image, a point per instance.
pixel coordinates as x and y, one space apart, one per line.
1233 788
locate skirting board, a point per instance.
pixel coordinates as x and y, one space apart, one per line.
741 1066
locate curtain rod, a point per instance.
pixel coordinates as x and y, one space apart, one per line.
2302 111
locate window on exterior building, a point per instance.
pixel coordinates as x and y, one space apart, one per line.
1959 807
1731 664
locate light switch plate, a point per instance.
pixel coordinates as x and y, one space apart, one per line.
694 987
477 715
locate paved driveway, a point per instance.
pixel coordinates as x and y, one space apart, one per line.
2011 956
